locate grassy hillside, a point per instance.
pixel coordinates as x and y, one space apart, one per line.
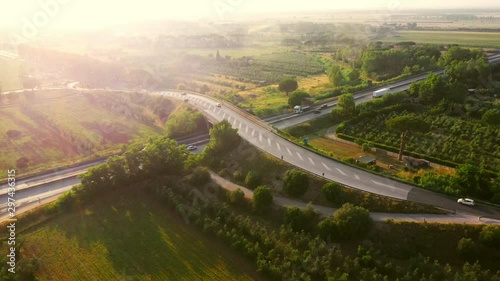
41 130
131 237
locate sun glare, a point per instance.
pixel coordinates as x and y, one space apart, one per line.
61 14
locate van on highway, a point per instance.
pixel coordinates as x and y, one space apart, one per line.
381 92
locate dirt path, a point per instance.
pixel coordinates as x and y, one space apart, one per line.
326 211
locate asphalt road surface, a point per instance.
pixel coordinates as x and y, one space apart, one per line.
262 137
35 191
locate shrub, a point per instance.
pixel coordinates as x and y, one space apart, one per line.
366 148
262 198
237 197
66 202
200 177
224 173
252 180
296 218
352 221
333 192
295 183
467 249
238 176
490 235
327 228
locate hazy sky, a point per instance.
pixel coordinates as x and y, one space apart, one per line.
91 13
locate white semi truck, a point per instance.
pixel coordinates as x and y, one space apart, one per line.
381 92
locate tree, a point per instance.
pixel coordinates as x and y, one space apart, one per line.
352 221
473 180
200 176
336 77
163 156
296 218
297 98
288 85
346 105
490 236
252 180
327 228
353 77
262 198
432 89
467 249
117 169
407 124
454 53
295 183
96 178
456 93
237 197
181 87
491 117
184 122
222 138
204 89
333 192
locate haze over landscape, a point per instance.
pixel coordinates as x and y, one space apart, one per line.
250 140
94 13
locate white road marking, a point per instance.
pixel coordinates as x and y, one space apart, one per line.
382 184
253 132
246 129
326 167
234 123
340 171
228 119
269 141
300 156
240 126
260 137
287 149
278 145
310 160
356 176
224 116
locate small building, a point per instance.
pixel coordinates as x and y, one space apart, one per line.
368 160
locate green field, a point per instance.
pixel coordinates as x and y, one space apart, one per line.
128 237
236 52
9 75
486 39
60 127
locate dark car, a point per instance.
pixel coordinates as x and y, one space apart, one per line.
317 111
323 106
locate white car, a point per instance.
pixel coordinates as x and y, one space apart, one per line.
466 201
191 147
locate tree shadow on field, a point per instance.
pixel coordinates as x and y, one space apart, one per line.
141 239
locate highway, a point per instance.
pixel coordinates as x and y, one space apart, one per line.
291 119
262 136
36 191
